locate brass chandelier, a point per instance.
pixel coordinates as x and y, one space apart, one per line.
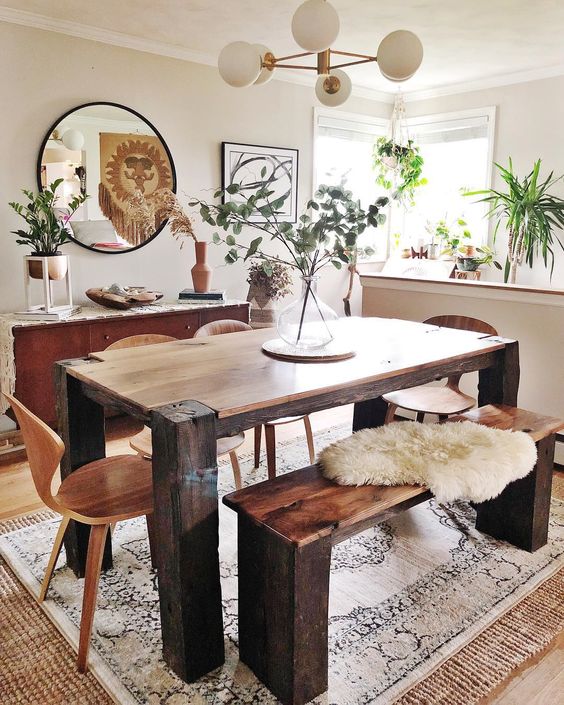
315 26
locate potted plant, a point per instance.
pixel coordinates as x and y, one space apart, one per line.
451 240
530 214
329 238
47 230
405 163
268 282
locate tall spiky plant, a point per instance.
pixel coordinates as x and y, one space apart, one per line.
530 213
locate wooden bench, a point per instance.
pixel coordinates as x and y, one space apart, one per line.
288 525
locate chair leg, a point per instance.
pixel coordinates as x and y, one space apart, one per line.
390 413
443 417
270 438
236 469
92 577
153 545
420 416
309 437
258 434
53 558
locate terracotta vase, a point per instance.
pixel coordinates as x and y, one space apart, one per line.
57 266
201 271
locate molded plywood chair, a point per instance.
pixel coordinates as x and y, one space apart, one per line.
229 326
446 400
141 443
98 494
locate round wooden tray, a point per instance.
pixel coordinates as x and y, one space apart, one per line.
335 351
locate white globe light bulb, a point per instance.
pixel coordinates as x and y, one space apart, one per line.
315 25
333 89
265 74
400 55
239 64
73 140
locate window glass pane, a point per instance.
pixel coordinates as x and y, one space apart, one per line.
343 149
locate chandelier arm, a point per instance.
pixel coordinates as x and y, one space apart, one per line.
296 66
350 53
293 56
354 63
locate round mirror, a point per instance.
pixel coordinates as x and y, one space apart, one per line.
120 160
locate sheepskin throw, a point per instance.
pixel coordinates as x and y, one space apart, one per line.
454 460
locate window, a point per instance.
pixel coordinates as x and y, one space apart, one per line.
343 149
457 149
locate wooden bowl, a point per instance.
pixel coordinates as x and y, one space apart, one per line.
104 298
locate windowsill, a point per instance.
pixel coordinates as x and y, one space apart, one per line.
471 289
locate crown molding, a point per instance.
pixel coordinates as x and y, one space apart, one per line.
128 41
105 36
507 79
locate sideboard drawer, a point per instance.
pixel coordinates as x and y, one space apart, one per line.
104 332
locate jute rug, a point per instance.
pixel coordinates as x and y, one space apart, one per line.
412 602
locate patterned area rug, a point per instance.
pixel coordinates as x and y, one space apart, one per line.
405 597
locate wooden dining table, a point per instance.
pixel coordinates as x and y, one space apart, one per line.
190 392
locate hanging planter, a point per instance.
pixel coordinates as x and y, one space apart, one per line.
396 159
398 168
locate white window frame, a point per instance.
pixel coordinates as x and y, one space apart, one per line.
488 112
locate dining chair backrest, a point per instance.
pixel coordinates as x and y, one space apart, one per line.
136 341
43 447
220 327
462 323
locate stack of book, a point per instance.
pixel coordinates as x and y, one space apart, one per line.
189 296
39 314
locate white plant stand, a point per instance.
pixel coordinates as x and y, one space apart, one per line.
48 305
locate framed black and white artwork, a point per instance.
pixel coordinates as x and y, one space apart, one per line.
244 163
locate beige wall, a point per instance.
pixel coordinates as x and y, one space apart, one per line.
44 74
529 119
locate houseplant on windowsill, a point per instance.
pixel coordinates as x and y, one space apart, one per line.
530 213
330 238
46 230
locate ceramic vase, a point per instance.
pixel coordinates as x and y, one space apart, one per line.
201 271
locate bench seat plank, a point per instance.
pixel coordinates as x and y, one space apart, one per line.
512 418
303 506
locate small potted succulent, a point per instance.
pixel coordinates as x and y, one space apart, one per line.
47 229
268 282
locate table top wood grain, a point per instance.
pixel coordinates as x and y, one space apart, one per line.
231 375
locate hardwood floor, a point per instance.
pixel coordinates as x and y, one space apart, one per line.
540 681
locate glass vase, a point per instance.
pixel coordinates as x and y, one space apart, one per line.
306 324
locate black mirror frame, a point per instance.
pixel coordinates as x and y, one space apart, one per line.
157 134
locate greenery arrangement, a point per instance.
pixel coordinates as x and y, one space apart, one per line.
450 236
273 286
147 212
46 231
330 238
529 212
403 160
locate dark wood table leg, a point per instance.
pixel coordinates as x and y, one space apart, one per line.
369 413
520 514
283 607
81 427
186 528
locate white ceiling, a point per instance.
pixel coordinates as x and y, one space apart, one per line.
465 40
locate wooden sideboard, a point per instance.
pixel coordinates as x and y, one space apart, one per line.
37 347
